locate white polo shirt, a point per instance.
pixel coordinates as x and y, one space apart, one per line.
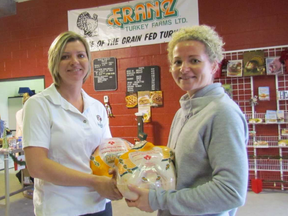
53 123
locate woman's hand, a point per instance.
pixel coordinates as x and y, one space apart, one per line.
142 202
107 188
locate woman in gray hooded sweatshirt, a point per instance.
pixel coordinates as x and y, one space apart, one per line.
209 134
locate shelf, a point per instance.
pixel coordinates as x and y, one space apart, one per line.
268 164
274 123
270 170
261 116
266 142
263 147
242 91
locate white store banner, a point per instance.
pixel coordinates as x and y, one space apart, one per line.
133 23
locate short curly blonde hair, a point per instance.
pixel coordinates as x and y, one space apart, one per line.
203 33
56 50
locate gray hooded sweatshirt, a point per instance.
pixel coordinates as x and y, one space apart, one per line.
209 135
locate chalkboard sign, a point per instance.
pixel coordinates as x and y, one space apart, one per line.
143 79
105 74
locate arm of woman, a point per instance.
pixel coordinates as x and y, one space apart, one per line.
40 166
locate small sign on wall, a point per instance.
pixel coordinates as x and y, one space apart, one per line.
264 93
105 74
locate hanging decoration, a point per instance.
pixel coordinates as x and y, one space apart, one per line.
284 58
109 110
254 100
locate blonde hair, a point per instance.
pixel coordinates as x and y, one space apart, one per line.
56 50
202 33
25 97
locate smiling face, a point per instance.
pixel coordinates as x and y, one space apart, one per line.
74 63
191 68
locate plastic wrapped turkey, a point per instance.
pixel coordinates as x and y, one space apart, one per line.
146 166
105 154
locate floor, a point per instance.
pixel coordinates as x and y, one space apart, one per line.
266 203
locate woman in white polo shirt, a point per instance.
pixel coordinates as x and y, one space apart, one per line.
62 127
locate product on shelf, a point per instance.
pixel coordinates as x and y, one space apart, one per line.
255 120
261 143
146 166
271 116
105 154
284 132
252 133
283 142
280 115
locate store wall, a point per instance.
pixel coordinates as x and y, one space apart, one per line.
26 37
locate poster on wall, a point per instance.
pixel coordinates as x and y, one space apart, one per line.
132 23
131 99
144 105
155 99
254 63
274 66
234 68
264 93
